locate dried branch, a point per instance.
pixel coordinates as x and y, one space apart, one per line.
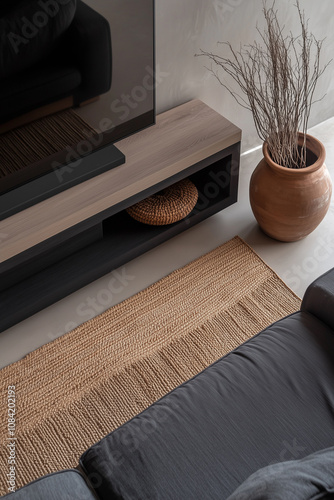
277 78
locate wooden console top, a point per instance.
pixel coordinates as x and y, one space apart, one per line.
181 137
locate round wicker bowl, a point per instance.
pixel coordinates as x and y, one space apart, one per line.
167 206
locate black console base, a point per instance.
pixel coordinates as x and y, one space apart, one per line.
59 179
47 272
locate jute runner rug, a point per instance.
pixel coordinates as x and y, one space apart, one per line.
76 389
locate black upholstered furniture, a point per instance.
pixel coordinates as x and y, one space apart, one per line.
49 51
268 402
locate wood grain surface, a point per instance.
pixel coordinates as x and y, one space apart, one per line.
181 137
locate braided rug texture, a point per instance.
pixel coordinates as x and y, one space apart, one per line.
76 389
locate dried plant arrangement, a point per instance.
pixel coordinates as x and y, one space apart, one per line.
277 77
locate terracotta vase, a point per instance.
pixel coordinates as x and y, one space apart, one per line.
287 203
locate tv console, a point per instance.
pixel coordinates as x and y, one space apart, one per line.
65 242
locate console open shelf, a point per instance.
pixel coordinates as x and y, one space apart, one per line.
103 236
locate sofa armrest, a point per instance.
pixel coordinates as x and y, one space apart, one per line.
88 40
319 298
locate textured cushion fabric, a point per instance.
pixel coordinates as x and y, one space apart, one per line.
29 31
319 298
268 401
38 87
63 485
310 478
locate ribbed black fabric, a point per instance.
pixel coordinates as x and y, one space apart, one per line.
270 400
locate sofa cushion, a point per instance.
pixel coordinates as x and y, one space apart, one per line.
63 485
29 31
319 298
270 400
310 478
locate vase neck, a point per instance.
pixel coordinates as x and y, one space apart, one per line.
315 152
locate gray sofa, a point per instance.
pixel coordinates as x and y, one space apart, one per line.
257 424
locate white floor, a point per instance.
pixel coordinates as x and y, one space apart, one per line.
296 263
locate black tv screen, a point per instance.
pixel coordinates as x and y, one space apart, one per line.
129 105
123 106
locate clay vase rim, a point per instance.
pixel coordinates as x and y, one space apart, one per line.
312 144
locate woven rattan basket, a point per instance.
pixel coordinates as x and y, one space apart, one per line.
168 206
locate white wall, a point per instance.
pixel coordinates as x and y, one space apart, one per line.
183 27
